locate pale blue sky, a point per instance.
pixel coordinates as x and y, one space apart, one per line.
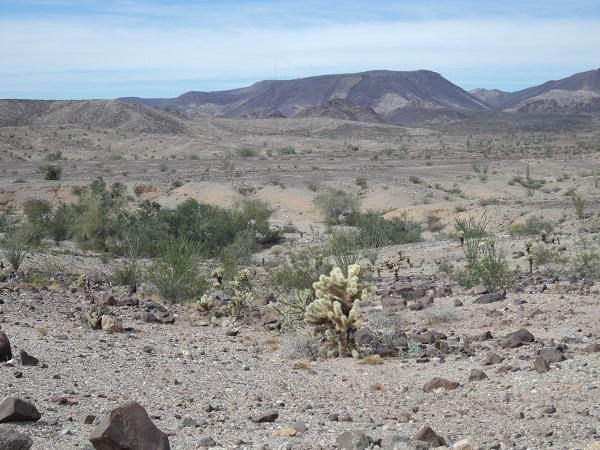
112 48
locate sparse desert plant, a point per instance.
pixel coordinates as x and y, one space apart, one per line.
247 152
345 247
292 308
174 273
335 313
586 262
434 223
52 172
298 269
128 273
471 232
14 247
361 182
59 226
534 225
338 206
579 204
302 345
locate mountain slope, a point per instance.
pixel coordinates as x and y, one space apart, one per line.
113 114
383 92
574 94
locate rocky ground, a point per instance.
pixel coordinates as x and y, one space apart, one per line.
208 386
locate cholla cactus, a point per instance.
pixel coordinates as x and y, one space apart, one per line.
206 303
335 313
242 293
82 280
218 274
92 316
528 246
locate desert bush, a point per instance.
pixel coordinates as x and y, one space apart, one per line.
544 254
247 152
174 272
39 215
361 182
292 307
338 206
374 228
128 273
60 223
586 263
532 226
52 172
434 223
344 247
298 270
99 215
302 345
579 204
14 247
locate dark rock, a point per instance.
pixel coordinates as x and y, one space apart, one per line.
352 440
492 359
27 359
128 301
550 409
428 337
426 434
265 417
13 409
458 303
128 427
365 337
11 440
5 350
440 383
486 336
89 419
517 339
541 365
477 375
553 354
490 298
164 317
590 348
106 299
519 301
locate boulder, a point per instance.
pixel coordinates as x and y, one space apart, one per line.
110 324
484 299
5 350
267 416
517 339
14 409
106 299
11 440
27 359
440 383
352 440
554 354
541 365
590 348
492 359
477 375
426 434
128 427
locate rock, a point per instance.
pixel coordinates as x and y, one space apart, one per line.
541 365
458 303
5 350
426 434
207 442
89 419
110 324
517 339
465 444
27 359
479 289
300 427
490 298
128 427
550 409
232 332
128 301
352 440
365 338
11 440
440 383
267 416
477 375
158 316
105 299
553 354
285 432
429 337
13 409
590 348
492 359
393 304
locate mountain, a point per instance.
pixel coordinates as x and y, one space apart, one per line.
113 114
382 92
493 97
571 95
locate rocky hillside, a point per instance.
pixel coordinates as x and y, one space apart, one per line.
383 92
111 114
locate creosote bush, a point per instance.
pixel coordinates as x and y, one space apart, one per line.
14 247
338 206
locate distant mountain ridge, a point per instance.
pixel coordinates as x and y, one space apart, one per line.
381 91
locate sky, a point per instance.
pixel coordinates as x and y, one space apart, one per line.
63 49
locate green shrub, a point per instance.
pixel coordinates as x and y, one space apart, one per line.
345 247
532 226
361 182
338 206
99 215
39 215
434 223
52 172
60 223
14 247
298 270
128 273
579 204
374 228
247 152
586 263
174 272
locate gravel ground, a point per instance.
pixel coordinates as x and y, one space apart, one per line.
177 371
